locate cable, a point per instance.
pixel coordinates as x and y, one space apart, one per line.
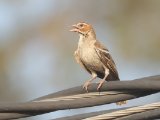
125 112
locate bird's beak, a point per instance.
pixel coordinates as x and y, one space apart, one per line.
74 29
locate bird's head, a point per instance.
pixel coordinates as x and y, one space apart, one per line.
82 28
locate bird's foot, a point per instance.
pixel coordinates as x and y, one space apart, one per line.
100 84
86 85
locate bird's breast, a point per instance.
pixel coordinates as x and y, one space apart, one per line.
91 59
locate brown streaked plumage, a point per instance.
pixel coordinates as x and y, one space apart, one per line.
94 57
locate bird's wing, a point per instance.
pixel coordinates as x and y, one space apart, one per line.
79 61
105 57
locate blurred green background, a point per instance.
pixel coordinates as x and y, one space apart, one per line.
36 47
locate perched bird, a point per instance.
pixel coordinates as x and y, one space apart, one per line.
93 56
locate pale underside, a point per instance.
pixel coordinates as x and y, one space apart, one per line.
96 59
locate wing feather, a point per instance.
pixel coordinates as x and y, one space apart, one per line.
106 58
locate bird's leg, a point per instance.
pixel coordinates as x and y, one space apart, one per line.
88 82
103 80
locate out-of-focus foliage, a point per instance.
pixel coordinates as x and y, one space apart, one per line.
36 47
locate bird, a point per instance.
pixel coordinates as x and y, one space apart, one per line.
94 57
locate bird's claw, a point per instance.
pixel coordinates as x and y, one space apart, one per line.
100 85
86 85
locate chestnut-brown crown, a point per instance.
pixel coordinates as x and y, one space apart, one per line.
82 28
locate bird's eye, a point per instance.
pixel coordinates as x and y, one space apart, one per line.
81 25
